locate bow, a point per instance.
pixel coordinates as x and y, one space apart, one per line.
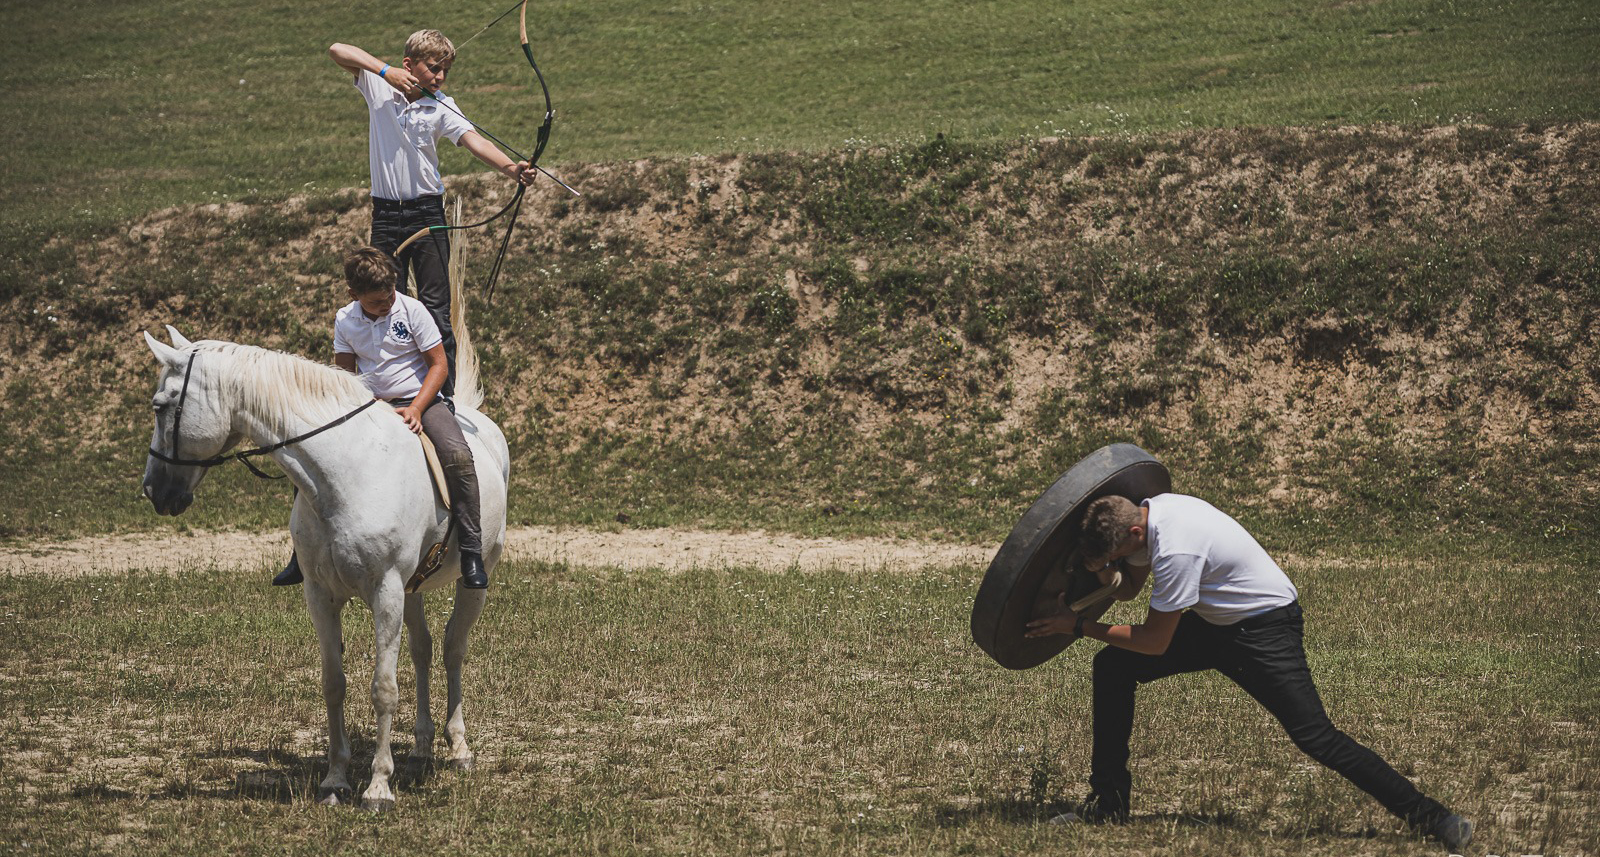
541 140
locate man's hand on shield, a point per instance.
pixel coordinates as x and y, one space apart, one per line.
1061 623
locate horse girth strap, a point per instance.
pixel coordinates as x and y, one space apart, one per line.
430 453
435 558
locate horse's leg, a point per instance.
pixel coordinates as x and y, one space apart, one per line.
469 605
422 659
325 610
388 609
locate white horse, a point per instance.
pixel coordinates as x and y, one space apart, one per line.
364 518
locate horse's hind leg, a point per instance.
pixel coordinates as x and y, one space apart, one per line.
324 610
388 608
421 645
469 605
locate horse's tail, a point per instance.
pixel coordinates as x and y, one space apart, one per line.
468 393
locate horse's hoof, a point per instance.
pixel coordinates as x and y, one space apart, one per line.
377 805
463 764
333 797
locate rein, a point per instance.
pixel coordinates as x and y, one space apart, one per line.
244 455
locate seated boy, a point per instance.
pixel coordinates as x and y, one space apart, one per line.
391 341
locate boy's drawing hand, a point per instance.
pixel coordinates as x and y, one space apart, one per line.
402 80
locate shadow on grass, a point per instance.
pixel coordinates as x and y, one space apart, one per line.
1014 811
285 777
1021 812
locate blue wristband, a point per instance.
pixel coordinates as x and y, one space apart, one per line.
383 72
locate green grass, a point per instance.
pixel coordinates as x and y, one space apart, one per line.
134 106
735 711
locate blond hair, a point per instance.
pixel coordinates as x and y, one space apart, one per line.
368 270
429 46
1106 523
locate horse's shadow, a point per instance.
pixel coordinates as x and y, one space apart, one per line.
283 777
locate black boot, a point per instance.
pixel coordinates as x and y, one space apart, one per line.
472 574
291 573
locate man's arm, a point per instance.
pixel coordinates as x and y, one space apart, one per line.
1151 638
490 154
346 361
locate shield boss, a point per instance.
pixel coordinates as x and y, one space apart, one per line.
1037 562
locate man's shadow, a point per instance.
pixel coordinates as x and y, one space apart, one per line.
1025 812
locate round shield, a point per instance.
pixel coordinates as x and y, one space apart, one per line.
1038 560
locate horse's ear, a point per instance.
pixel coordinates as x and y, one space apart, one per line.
164 352
179 341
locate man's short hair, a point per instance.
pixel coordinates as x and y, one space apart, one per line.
429 46
1106 523
368 270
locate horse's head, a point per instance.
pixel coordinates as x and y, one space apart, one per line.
192 425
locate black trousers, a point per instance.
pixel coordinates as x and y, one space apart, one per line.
393 221
1265 656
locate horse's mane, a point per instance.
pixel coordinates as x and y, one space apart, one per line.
274 385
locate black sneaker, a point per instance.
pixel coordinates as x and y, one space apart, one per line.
472 574
291 573
1098 808
1454 831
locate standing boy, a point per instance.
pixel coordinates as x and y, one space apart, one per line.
390 340
1218 601
406 115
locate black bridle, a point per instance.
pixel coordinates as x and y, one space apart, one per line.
244 455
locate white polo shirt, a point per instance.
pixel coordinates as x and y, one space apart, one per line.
403 137
1202 559
388 350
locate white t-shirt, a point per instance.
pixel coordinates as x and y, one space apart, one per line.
388 350
1202 559
403 137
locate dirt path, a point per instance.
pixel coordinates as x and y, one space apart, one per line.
670 549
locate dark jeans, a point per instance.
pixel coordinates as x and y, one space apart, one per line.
393 221
1265 655
460 474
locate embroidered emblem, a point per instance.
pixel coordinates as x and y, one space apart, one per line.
399 331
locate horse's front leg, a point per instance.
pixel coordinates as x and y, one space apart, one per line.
421 645
325 610
388 608
469 605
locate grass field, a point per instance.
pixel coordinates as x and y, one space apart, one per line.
740 711
138 105
1334 263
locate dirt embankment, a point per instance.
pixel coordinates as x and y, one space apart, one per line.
1393 321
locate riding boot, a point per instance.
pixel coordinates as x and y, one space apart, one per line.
473 575
462 480
290 574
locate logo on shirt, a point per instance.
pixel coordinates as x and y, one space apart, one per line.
399 331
